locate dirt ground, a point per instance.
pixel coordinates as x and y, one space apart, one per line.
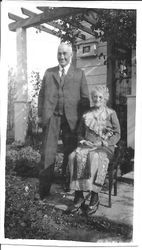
28 217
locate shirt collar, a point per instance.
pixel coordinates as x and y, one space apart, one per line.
65 68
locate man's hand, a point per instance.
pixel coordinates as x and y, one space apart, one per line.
40 130
39 121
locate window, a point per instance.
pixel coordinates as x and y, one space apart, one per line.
86 49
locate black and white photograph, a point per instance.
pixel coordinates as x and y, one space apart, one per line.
69 143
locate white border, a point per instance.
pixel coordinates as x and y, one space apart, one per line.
138 171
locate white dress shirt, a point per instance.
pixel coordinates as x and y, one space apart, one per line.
65 69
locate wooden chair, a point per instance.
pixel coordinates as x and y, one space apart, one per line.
112 171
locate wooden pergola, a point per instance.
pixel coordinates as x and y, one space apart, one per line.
48 20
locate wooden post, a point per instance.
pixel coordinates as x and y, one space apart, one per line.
110 73
131 105
21 98
74 59
133 77
131 109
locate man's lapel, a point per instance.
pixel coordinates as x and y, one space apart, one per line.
69 75
56 75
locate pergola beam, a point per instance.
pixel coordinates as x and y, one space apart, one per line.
31 14
39 27
56 25
89 17
52 23
14 17
42 8
28 13
75 24
47 30
44 17
81 27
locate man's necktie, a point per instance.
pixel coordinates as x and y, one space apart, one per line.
62 77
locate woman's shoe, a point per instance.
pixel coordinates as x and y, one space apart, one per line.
94 203
92 209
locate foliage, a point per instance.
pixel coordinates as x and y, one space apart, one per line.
24 160
11 83
69 32
117 26
29 154
34 86
11 158
35 82
12 152
127 164
11 99
32 133
16 145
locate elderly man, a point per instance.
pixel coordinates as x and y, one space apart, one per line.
63 94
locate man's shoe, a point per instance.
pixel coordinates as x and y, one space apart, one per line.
44 190
45 181
66 187
44 194
76 206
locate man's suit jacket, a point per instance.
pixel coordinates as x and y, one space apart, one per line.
75 90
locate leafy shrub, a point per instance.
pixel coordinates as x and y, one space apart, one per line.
126 164
12 152
58 167
11 158
27 163
11 100
25 160
32 133
22 159
29 154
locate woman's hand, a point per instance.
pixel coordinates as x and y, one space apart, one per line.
98 144
105 143
89 143
86 143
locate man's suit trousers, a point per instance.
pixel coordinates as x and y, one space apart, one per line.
56 125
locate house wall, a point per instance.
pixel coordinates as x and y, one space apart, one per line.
93 62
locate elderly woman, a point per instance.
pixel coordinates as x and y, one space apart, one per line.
99 132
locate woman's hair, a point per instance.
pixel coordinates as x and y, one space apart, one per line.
101 89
